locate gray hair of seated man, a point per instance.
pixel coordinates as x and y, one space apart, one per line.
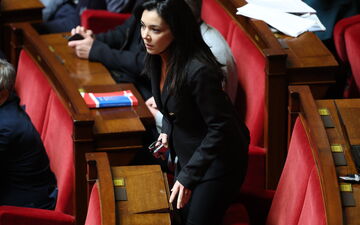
195 6
7 75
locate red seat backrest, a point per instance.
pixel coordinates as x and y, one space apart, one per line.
33 89
102 20
94 211
339 35
215 15
298 198
250 64
58 142
352 42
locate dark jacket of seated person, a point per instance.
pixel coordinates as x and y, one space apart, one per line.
26 178
120 50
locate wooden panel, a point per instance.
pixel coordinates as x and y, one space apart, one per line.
146 192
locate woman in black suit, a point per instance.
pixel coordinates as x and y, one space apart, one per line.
200 125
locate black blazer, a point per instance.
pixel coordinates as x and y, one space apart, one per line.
203 129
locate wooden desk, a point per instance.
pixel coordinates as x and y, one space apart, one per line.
16 11
289 61
146 192
81 71
339 121
112 125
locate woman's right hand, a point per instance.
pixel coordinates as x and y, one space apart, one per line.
163 138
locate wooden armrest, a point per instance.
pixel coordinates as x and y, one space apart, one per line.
99 170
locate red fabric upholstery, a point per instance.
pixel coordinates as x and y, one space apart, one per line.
255 176
352 42
345 45
101 20
57 138
250 65
236 215
12 215
33 89
94 212
298 198
339 35
215 15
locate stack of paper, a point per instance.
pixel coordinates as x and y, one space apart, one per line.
292 17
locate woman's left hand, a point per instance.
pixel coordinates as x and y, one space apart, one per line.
183 194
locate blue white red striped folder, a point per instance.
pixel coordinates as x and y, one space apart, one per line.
109 99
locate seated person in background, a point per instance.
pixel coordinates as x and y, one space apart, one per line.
120 50
63 15
221 51
26 178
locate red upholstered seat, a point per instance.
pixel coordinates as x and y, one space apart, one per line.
346 36
250 64
352 37
57 138
94 210
298 197
101 20
33 89
12 215
213 14
304 204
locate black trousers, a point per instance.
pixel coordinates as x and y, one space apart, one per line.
210 200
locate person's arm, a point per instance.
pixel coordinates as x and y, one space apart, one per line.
117 5
216 111
106 49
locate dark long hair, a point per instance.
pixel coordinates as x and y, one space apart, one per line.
187 45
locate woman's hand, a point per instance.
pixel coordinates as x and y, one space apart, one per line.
82 47
151 104
183 194
163 138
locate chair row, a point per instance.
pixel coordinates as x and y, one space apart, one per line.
308 191
66 131
56 128
266 66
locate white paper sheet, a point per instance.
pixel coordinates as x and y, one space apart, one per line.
287 23
290 6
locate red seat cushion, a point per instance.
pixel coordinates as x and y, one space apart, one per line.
236 215
33 89
12 215
299 186
58 142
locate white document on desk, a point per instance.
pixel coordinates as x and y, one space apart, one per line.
287 23
289 6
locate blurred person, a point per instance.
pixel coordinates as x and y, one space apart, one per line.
26 178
